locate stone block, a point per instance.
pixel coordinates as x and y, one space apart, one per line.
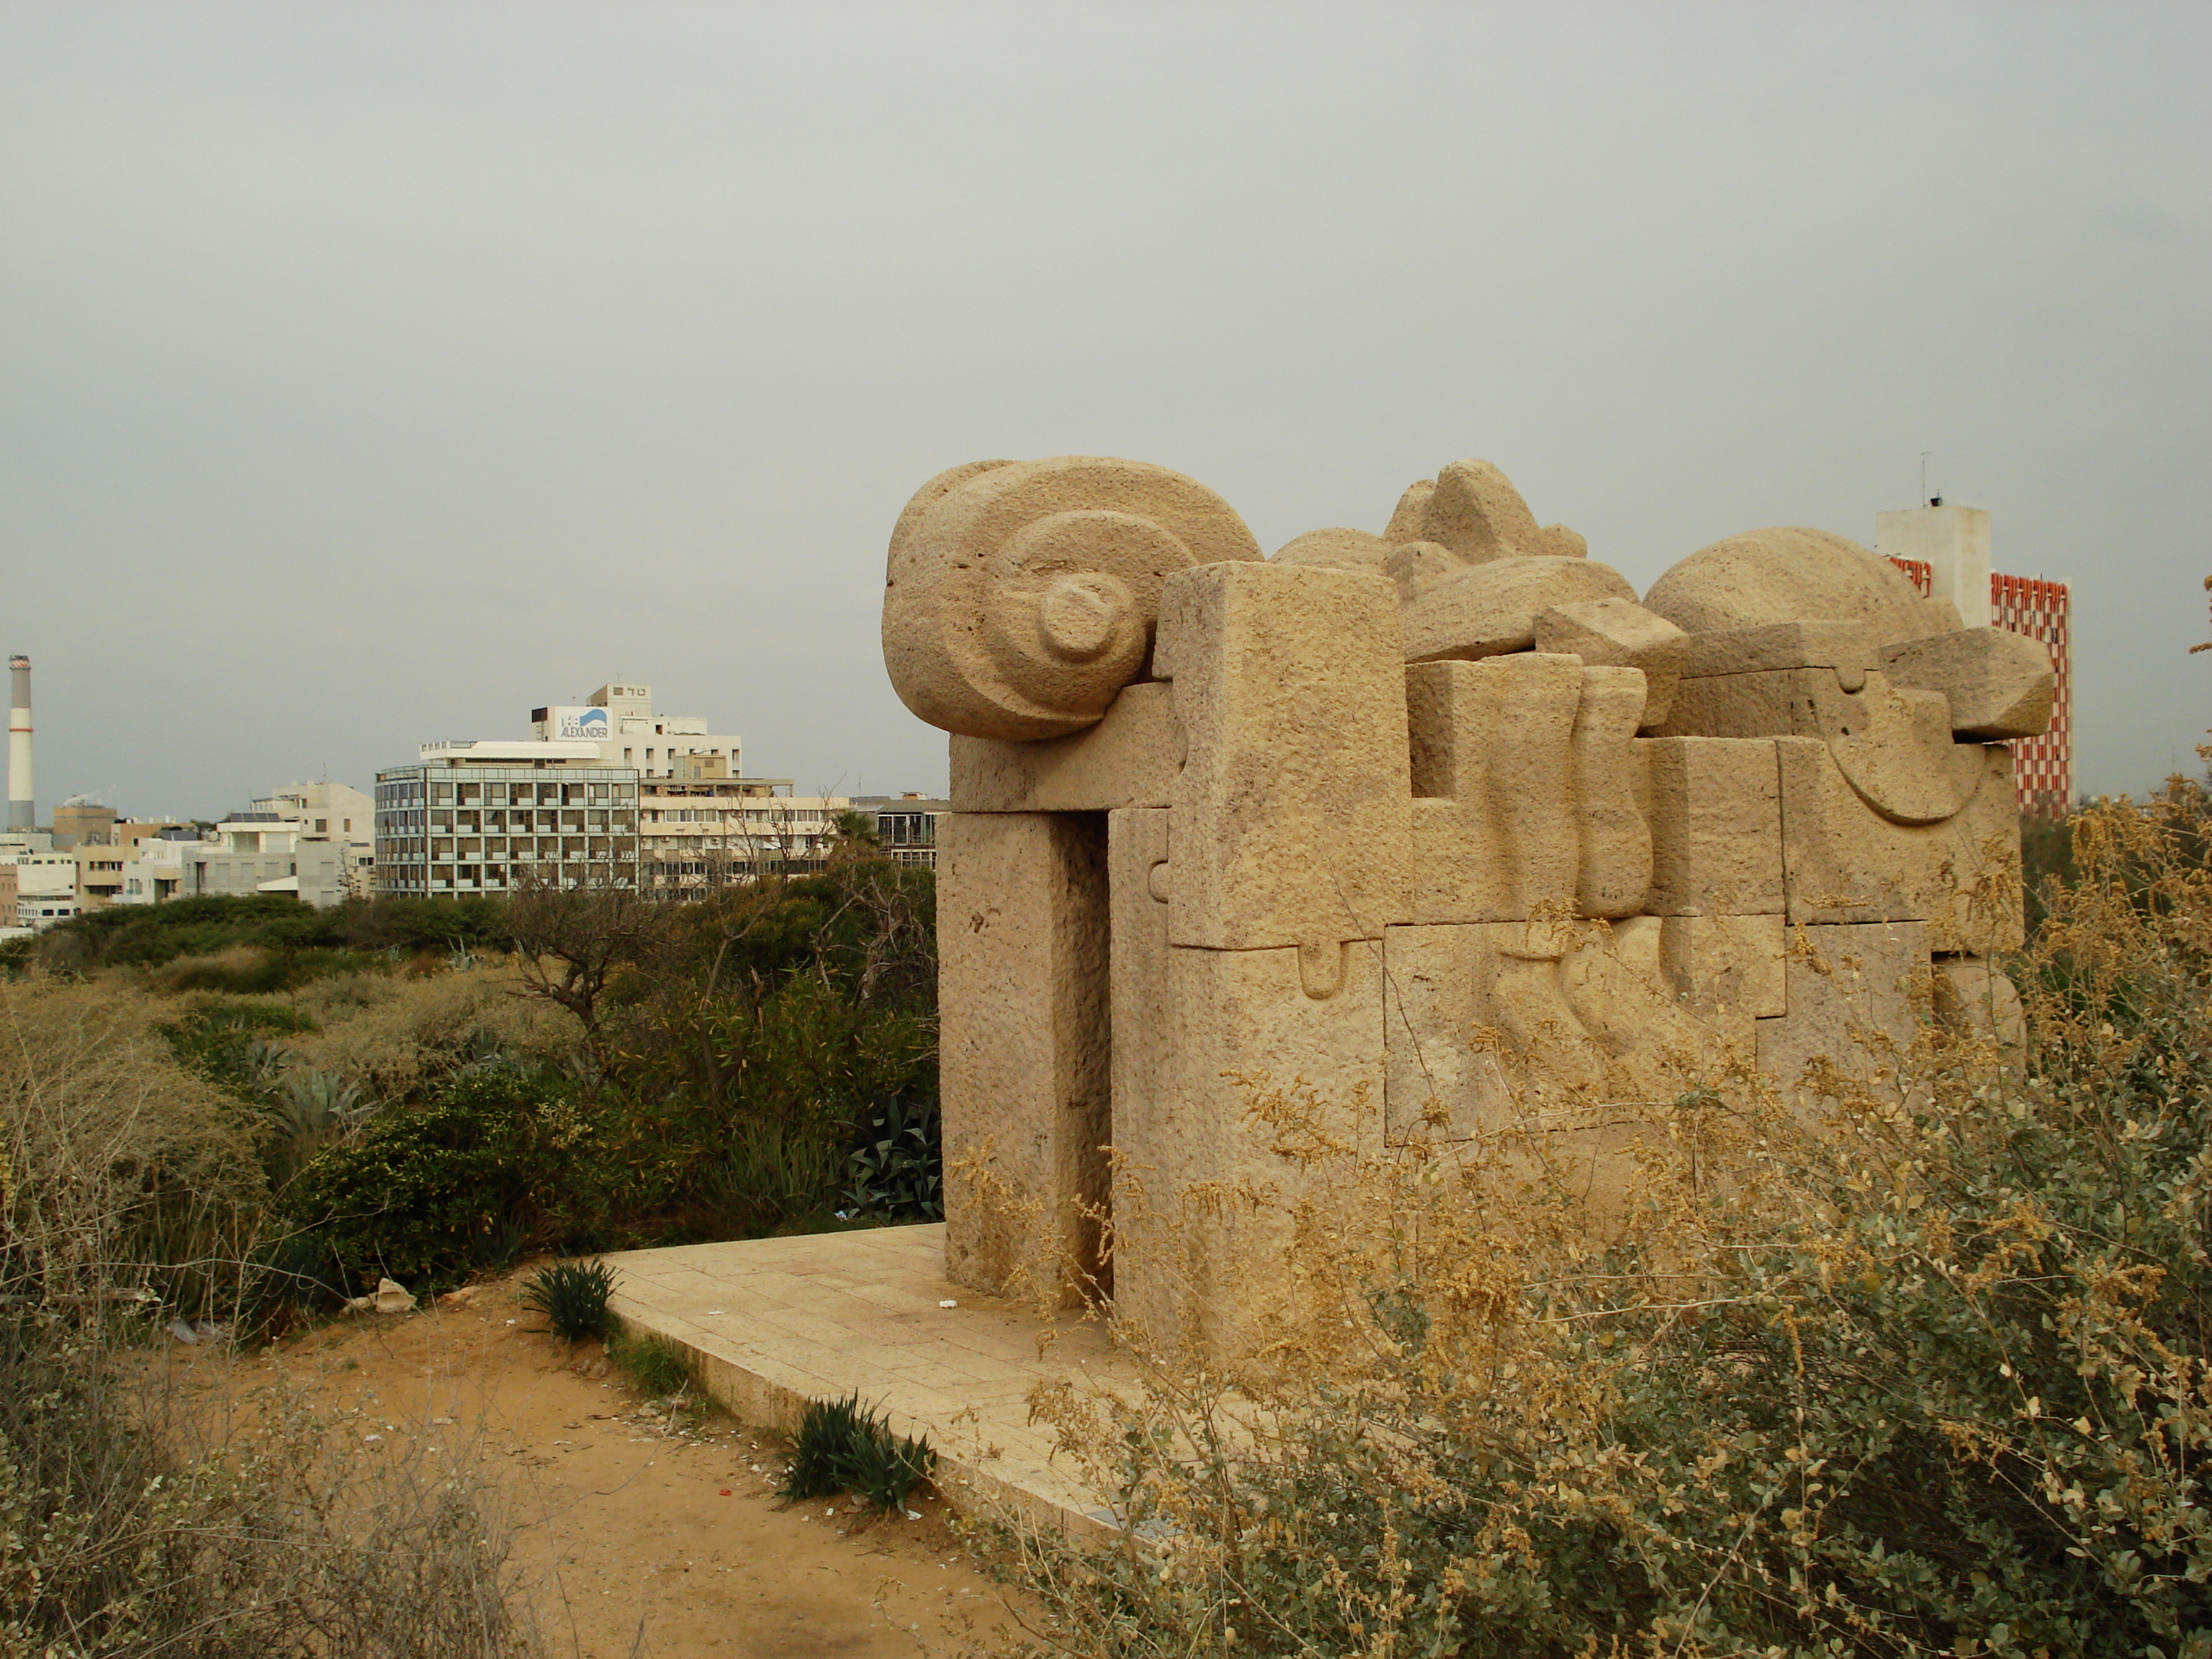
1492 746
1023 1044
1490 609
1566 1035
1844 862
1292 807
1716 963
1417 566
1474 510
1715 808
1851 648
1857 995
1997 684
1613 843
1244 1029
1128 759
1526 780
1618 633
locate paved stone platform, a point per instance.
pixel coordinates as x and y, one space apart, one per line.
773 1322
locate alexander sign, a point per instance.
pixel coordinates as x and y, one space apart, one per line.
578 725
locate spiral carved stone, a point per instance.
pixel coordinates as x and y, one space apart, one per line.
1021 596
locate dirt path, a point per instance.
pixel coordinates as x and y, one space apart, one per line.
635 1519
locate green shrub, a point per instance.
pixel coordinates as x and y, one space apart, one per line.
149 935
420 1192
226 1517
758 1028
573 1297
843 1447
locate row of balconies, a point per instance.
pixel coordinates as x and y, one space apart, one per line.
567 821
528 848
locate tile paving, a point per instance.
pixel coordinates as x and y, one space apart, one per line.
776 1322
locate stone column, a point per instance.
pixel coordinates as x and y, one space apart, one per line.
1024 1048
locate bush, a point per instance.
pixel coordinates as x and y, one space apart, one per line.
573 1297
99 1121
1916 1380
400 1037
246 972
148 935
424 1194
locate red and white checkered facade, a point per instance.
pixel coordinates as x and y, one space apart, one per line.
2042 767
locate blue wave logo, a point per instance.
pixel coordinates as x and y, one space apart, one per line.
591 724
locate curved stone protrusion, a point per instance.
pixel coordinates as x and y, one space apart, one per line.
1893 743
1409 521
1789 574
1894 747
1348 550
1021 596
1490 610
1472 508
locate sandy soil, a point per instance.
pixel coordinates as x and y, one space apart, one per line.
647 1531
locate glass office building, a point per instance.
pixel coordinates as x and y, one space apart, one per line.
455 826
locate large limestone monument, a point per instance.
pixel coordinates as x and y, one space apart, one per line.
1443 828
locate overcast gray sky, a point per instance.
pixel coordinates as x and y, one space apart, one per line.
371 372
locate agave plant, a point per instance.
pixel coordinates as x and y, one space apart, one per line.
309 1103
896 1164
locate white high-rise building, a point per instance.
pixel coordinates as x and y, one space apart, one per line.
621 719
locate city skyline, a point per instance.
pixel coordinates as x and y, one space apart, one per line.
375 374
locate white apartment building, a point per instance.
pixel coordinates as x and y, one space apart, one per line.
45 888
491 815
251 852
336 812
702 829
905 825
621 720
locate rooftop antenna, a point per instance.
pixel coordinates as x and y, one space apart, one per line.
1932 501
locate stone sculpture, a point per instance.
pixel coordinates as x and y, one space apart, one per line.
1443 825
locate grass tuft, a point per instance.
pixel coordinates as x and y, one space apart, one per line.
656 1365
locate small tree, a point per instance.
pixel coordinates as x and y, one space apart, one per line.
856 836
571 942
